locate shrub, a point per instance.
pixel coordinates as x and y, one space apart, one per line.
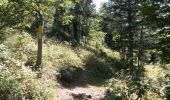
9 86
37 90
19 84
3 35
5 52
14 41
69 74
99 67
30 62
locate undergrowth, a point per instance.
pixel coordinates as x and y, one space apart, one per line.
18 80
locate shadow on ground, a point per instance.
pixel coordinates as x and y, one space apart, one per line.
95 72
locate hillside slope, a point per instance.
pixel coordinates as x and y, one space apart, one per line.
90 72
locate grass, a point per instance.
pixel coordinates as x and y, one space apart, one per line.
155 71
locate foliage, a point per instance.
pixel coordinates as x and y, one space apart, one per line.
121 19
19 13
14 40
157 17
133 28
3 35
18 85
72 19
10 13
99 68
69 74
30 62
10 86
5 52
96 40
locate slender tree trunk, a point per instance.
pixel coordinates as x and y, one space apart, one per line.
130 48
131 34
39 53
75 30
40 31
122 46
140 59
76 23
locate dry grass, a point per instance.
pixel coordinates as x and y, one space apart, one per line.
154 71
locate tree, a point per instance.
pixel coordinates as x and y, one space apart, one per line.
71 20
20 13
156 16
11 13
124 15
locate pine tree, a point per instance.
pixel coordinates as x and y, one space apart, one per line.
157 17
124 15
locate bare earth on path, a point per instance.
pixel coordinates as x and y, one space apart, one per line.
79 93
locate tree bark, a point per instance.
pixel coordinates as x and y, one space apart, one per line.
131 34
140 59
40 31
39 53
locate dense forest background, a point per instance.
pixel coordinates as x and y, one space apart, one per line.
119 52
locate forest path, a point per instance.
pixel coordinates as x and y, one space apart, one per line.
81 93
85 88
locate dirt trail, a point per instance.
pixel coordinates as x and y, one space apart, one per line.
82 89
92 93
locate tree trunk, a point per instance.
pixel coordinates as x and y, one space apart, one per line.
40 31
140 59
131 34
75 30
39 53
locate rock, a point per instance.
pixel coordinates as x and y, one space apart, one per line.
81 96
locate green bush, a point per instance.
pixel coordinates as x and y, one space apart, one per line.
9 86
99 67
38 90
18 85
5 52
14 41
3 35
30 62
69 74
